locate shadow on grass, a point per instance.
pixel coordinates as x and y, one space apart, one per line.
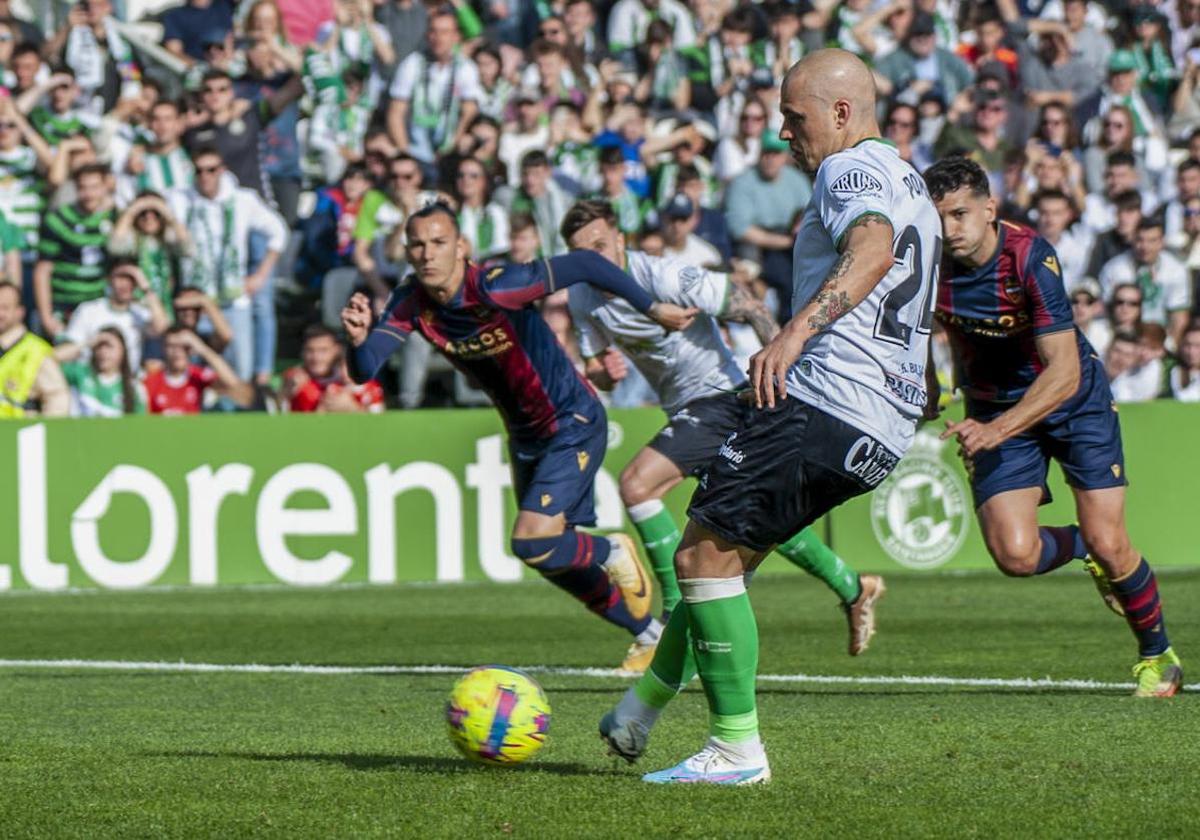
379 761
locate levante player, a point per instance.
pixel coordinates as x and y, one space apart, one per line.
697 381
1036 391
484 324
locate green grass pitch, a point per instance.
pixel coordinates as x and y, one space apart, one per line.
98 753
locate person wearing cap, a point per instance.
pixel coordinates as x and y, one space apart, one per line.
1090 314
679 219
712 226
762 206
1119 88
920 65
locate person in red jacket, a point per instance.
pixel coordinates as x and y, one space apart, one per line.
321 383
179 385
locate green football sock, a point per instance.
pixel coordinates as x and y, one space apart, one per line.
806 551
674 663
725 639
660 536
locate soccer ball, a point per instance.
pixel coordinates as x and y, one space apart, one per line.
497 715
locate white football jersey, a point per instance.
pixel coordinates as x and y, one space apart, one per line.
680 366
867 368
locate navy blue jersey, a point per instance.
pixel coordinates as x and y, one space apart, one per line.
489 332
994 314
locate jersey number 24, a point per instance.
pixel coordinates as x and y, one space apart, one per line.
888 325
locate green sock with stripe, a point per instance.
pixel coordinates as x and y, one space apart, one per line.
725 640
660 536
806 551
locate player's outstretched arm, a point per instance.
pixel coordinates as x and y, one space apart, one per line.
865 258
590 267
369 348
1058 380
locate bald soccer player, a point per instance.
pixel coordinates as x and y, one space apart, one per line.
839 393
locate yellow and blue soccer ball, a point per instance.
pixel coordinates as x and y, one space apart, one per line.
498 715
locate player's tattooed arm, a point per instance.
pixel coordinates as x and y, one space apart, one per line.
745 308
865 258
832 301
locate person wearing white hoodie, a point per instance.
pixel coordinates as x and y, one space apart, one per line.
220 217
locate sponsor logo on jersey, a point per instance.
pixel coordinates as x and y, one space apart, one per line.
921 512
495 272
1001 327
869 460
733 456
490 342
856 182
1052 263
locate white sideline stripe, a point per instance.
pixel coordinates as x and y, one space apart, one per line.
425 670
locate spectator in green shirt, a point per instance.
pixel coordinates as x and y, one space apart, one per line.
70 270
105 386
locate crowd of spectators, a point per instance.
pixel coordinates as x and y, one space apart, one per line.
186 200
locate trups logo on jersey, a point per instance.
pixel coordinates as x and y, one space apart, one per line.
921 512
855 182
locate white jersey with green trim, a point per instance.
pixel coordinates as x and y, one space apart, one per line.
681 366
867 368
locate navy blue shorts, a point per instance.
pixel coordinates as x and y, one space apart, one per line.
558 474
1084 436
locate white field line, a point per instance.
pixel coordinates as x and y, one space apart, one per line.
425 670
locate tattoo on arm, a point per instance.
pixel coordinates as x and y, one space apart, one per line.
745 308
832 303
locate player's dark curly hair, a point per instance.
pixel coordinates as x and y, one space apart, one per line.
583 213
952 174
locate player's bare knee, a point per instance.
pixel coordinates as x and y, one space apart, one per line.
634 487
1016 554
1107 543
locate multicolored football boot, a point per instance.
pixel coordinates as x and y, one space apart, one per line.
714 766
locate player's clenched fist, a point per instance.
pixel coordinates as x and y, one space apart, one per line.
356 318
